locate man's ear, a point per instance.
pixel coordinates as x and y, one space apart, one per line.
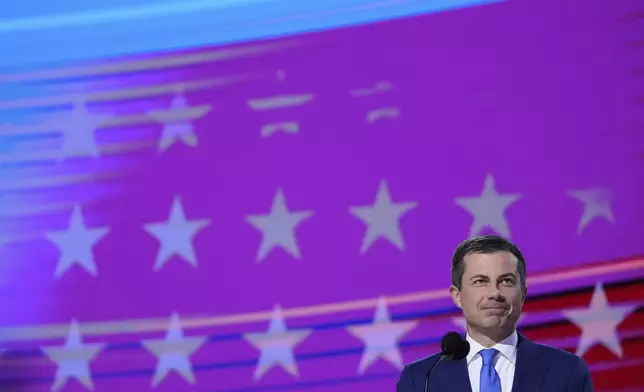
525 294
456 296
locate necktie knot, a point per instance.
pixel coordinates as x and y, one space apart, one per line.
488 355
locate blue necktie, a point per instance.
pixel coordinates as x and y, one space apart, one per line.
490 380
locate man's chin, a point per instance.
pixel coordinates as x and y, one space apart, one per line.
495 323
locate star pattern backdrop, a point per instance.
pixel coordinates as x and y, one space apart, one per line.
280 214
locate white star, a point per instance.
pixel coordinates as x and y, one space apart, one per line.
73 359
78 129
175 129
596 205
173 352
382 219
488 209
176 236
278 227
291 127
381 338
75 244
276 345
599 322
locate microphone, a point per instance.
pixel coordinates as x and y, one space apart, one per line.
453 347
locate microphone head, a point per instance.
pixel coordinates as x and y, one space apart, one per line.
454 346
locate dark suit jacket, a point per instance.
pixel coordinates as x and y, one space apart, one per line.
538 368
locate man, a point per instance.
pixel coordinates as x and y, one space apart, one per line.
489 286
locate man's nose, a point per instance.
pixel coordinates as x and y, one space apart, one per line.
496 294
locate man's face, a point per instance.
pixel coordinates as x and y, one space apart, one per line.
491 295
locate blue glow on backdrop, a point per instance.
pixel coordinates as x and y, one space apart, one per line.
91 30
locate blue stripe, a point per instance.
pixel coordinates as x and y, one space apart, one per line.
148 372
61 38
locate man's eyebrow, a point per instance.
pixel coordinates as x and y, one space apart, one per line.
509 274
479 276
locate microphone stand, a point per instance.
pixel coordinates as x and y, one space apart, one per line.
429 373
452 347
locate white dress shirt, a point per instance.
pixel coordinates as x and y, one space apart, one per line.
504 362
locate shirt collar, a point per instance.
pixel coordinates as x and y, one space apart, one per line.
507 347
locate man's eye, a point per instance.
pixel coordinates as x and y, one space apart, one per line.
508 281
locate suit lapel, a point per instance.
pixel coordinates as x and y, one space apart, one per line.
530 370
450 376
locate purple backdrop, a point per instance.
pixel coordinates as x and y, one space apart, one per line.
326 168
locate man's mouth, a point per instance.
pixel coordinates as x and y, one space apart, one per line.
496 308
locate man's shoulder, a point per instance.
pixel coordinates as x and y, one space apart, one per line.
414 374
423 365
561 361
564 366
553 354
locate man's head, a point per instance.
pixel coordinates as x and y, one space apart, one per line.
489 285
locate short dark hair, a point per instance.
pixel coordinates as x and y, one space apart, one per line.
484 244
